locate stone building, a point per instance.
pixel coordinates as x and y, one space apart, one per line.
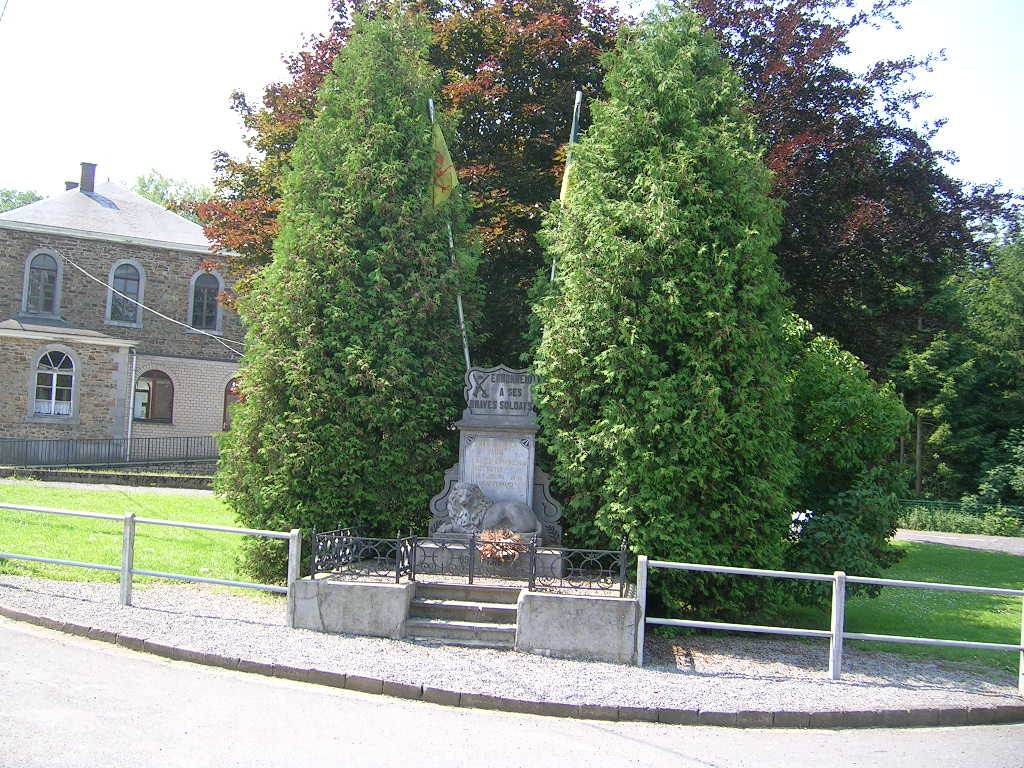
110 324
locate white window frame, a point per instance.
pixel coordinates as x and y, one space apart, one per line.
76 373
110 294
55 312
218 329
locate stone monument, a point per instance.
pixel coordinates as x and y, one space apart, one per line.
497 452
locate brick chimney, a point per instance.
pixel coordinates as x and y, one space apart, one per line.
88 178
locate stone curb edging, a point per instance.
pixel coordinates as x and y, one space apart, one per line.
883 718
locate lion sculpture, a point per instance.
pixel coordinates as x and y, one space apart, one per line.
469 511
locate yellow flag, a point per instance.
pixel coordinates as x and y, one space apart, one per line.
445 179
565 180
572 140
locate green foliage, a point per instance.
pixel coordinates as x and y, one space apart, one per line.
993 521
1003 481
969 383
663 397
846 490
511 70
872 222
16 198
353 370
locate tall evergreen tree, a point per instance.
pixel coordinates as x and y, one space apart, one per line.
967 383
353 366
663 395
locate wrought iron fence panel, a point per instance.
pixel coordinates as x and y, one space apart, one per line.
580 569
510 559
350 557
332 549
357 558
405 558
469 556
443 556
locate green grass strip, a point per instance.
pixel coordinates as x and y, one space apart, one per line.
946 615
157 548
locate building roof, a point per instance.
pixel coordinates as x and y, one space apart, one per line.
57 331
109 210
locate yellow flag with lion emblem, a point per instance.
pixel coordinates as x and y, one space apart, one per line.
444 180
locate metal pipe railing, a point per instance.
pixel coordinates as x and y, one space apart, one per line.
127 567
836 632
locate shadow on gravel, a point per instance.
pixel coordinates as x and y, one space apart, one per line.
755 658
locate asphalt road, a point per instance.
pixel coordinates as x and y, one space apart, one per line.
72 702
1012 545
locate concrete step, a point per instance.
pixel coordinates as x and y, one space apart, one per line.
463 610
470 593
470 633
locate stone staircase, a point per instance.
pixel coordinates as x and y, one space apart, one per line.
464 614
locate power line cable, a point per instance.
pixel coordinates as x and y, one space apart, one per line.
220 340
3 10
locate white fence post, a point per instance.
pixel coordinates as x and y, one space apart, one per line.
127 558
835 655
294 559
641 596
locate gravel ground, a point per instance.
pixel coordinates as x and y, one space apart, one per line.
705 672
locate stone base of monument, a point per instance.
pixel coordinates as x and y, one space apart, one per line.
578 627
550 624
450 557
355 608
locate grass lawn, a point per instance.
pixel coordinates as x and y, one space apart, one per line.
157 548
934 613
943 614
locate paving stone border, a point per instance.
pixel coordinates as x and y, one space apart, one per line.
883 718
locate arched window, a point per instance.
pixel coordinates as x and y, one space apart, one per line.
204 309
154 397
42 284
55 384
231 396
125 294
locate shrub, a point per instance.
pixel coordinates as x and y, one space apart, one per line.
663 396
992 522
353 374
846 426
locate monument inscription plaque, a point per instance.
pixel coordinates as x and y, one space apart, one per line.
501 465
497 449
499 391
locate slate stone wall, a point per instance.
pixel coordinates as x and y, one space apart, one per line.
167 276
99 409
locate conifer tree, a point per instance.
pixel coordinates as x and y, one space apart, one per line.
353 367
662 361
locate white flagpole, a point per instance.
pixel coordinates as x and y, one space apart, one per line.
568 159
451 250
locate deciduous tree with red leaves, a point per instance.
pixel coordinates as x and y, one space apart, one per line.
873 222
511 69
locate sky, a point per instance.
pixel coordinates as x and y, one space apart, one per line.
136 86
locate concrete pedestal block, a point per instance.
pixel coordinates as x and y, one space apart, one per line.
376 610
578 627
